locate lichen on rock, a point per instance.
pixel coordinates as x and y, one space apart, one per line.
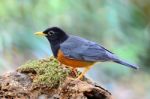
47 72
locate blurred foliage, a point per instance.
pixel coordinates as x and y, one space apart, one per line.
122 26
144 57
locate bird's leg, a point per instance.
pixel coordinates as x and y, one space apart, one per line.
85 70
74 70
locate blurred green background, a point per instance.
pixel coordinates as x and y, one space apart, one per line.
122 26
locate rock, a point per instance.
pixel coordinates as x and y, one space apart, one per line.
47 79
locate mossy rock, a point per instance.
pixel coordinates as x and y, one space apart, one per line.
47 72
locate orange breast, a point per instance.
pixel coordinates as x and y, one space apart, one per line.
72 62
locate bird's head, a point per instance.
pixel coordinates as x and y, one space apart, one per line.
53 34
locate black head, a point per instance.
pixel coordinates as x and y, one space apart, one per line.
55 34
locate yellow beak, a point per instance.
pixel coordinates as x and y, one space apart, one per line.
40 33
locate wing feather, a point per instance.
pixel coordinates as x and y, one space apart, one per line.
82 49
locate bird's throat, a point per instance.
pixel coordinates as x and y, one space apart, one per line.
55 49
55 45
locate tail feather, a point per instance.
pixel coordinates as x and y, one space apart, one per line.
125 63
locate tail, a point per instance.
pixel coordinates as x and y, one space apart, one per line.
125 63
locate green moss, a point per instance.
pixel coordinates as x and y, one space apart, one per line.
48 72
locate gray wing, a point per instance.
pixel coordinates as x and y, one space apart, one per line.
82 49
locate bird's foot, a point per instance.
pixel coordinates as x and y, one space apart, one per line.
74 72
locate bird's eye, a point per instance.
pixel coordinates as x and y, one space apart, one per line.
50 33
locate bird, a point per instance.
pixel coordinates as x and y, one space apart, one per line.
77 52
